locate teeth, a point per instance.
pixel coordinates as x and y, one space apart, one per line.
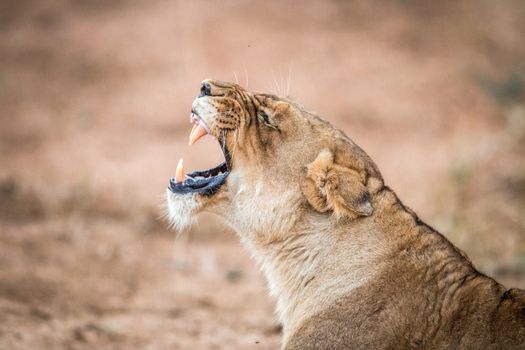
197 132
179 173
192 130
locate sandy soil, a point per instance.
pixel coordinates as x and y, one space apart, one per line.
95 98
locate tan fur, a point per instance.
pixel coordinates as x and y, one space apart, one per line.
351 266
331 187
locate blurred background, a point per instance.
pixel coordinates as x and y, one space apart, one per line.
95 98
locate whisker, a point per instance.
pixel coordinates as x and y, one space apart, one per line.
246 76
275 83
289 79
223 138
282 82
236 79
235 142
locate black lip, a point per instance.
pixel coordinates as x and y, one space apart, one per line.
205 182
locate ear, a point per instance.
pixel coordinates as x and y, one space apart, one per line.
328 186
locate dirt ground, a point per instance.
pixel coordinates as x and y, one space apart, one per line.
95 98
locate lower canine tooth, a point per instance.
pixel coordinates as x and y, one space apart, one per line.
197 132
179 173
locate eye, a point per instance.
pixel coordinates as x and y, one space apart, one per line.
266 120
265 117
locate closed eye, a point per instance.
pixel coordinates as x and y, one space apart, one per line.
266 120
265 117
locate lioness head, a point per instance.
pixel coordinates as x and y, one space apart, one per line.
281 162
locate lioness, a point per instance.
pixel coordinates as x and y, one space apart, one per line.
350 265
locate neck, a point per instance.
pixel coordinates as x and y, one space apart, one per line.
308 263
311 260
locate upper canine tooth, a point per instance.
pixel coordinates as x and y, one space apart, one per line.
179 173
193 129
197 132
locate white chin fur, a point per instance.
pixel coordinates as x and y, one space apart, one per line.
181 210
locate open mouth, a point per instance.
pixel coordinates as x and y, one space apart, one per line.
205 182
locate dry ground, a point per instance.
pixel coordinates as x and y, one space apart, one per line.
94 100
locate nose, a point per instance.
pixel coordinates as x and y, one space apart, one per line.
205 89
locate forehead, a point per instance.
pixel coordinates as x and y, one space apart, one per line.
231 90
218 87
268 97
